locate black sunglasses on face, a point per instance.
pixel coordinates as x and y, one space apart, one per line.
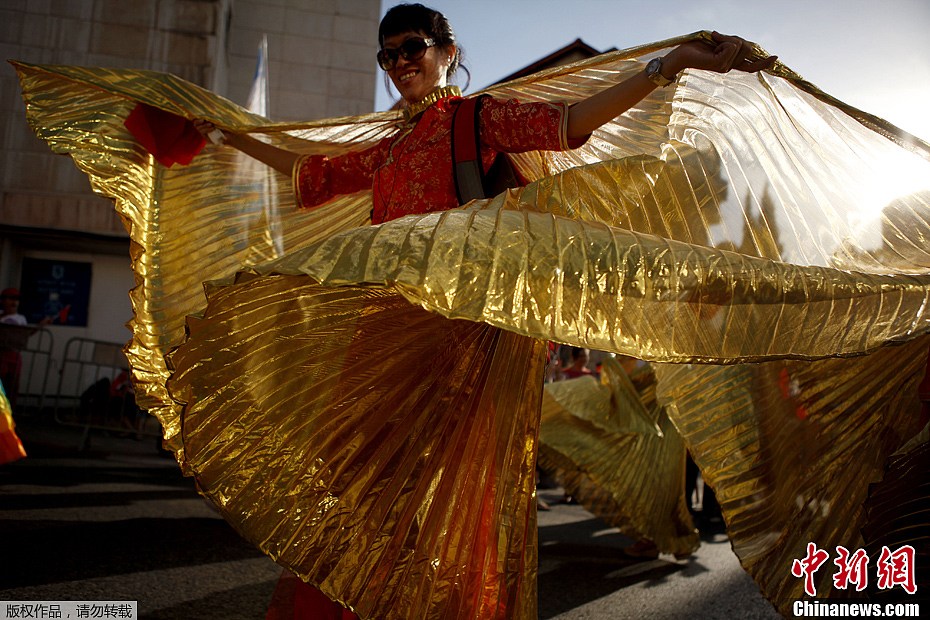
411 49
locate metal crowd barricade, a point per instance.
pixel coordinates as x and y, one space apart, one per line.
34 345
95 392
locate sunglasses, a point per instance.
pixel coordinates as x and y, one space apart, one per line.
411 49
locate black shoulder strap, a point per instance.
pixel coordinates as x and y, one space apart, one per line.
470 180
466 152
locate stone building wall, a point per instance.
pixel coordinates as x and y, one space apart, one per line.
321 64
322 55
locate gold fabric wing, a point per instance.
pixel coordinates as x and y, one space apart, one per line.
187 224
897 512
727 218
386 455
588 284
615 450
791 449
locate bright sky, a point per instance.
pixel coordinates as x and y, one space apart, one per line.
872 54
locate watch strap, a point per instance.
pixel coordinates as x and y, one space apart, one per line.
654 73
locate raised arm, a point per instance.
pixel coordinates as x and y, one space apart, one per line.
728 53
280 159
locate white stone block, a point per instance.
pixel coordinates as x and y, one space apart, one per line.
188 16
256 16
120 40
128 12
359 8
308 24
296 106
354 30
353 56
76 9
316 52
11 26
344 83
67 34
34 30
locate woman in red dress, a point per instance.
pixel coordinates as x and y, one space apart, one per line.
411 171
364 404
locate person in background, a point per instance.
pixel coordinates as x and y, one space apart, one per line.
579 365
9 308
11 358
11 363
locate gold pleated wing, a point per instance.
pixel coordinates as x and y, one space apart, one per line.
724 219
614 449
385 454
187 224
791 449
897 513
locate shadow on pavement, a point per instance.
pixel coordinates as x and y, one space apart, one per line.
234 604
582 561
72 550
591 579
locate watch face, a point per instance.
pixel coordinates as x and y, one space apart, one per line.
652 72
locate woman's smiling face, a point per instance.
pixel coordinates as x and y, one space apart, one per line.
416 78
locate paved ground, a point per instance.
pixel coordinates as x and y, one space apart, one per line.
117 521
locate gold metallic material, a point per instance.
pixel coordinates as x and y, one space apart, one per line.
792 450
605 288
614 449
723 219
414 109
11 448
387 454
898 511
187 224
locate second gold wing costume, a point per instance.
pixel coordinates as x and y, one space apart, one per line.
362 402
613 448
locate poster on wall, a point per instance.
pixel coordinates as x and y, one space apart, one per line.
55 289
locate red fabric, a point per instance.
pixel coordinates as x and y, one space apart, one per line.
411 171
295 600
11 448
572 373
169 138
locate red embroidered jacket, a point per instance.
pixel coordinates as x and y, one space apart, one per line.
411 171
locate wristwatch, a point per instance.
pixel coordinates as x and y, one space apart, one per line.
654 73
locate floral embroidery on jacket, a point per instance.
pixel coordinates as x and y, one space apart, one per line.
411 171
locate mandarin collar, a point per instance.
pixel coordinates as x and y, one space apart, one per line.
415 109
